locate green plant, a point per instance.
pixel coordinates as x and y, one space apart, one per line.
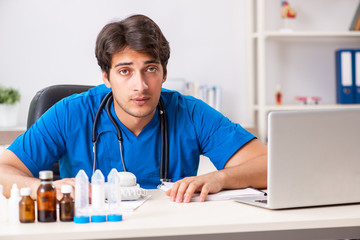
9 95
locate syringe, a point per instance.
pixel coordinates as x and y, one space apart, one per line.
114 196
81 198
98 197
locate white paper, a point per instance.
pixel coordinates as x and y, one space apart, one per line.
222 195
129 206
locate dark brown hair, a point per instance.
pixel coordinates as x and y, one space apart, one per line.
138 32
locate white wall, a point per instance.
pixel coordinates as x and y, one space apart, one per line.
46 42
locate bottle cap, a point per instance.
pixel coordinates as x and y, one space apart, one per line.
81 219
25 191
66 189
98 218
46 175
114 218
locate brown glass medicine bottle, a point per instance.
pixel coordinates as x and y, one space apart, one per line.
46 198
26 206
66 204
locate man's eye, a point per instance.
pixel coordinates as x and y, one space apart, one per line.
124 72
152 69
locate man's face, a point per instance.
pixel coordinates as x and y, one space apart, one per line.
136 80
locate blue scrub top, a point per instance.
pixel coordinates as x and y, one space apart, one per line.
64 133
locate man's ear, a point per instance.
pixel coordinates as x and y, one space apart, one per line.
164 79
105 79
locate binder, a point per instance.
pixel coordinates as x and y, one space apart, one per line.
345 89
356 73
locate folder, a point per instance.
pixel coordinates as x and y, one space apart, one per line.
356 73
345 89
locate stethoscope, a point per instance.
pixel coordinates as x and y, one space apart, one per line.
164 164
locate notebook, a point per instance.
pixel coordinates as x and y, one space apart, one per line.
313 159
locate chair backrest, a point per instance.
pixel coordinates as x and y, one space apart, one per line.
46 98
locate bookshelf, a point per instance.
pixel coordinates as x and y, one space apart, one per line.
293 57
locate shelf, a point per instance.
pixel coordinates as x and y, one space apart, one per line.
289 56
8 135
13 129
269 108
308 34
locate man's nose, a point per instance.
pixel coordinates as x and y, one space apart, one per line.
140 82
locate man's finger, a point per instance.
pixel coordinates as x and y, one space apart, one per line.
204 192
190 191
181 191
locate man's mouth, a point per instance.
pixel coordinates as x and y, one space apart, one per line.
140 100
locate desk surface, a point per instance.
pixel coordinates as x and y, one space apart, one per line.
160 218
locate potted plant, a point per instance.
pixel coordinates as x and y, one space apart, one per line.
9 98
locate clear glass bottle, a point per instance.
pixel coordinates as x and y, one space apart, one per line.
46 198
26 206
66 204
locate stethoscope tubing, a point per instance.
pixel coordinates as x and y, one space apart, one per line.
164 161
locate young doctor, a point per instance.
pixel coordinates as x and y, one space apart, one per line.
133 55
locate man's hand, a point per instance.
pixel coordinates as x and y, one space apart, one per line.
183 190
65 181
246 168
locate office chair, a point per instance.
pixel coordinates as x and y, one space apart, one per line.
46 98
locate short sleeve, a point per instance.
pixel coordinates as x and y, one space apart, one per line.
219 138
44 143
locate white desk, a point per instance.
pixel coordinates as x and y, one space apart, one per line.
159 218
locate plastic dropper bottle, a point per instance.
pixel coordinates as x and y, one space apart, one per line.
114 196
26 207
13 206
3 206
98 197
66 204
46 198
81 198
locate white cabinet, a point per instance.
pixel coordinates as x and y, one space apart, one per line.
301 61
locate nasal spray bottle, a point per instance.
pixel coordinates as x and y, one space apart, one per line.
3 206
13 207
81 198
114 196
98 197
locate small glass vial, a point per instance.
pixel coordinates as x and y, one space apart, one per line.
66 204
46 198
26 207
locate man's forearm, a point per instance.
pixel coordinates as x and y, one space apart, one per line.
10 175
252 173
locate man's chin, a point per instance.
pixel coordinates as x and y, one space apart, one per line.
142 113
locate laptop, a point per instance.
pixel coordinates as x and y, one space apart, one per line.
313 159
